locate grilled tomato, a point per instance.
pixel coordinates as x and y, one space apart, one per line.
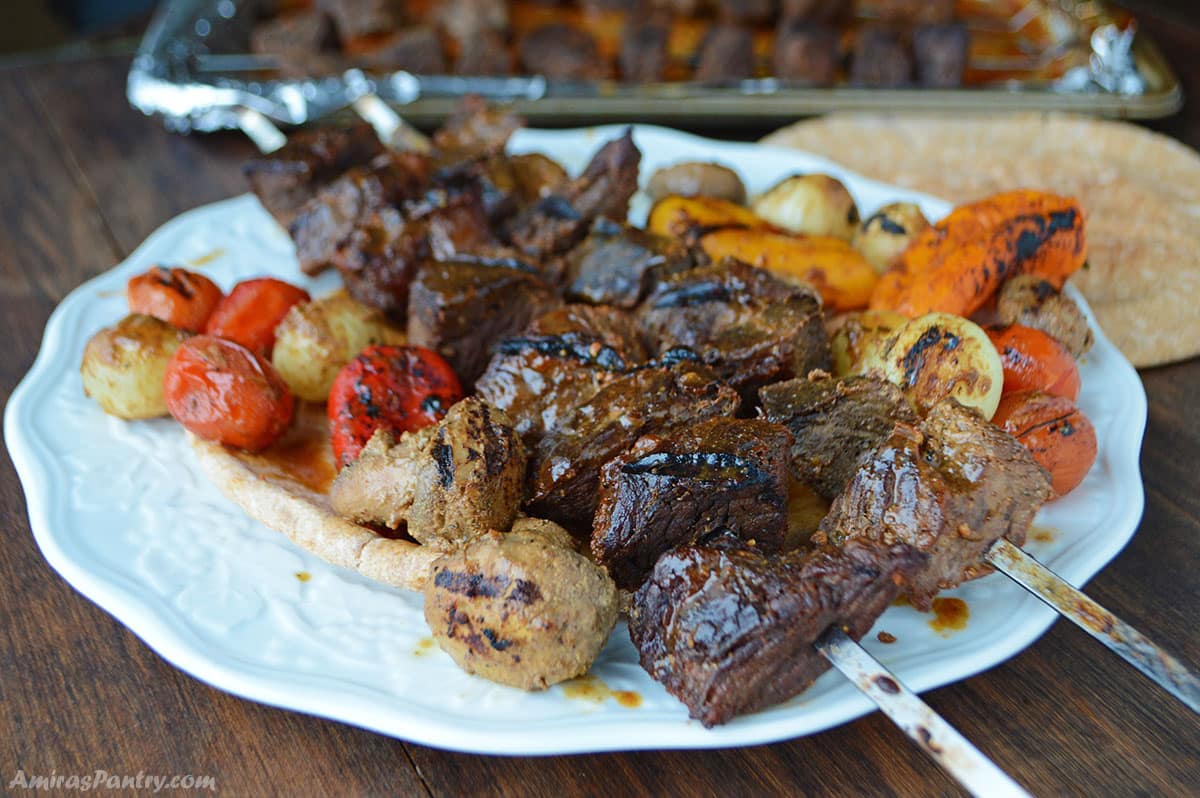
1060 436
223 392
251 312
181 298
398 388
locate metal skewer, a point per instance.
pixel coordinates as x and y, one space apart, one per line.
937 738
1134 647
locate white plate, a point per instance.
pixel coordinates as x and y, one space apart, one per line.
122 511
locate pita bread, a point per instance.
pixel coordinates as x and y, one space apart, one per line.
1141 191
293 501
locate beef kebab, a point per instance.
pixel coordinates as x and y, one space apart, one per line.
657 405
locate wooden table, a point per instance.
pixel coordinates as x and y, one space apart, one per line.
84 179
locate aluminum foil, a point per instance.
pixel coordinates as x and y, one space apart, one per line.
194 70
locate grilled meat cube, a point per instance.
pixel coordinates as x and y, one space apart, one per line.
562 52
519 610
806 51
355 18
835 424
474 130
462 309
290 176
560 220
566 463
729 631
880 59
941 54
417 49
1034 302
445 483
616 264
643 57
380 257
328 219
560 361
751 327
949 487
726 55
673 490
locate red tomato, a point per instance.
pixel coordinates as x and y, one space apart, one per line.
1034 361
251 312
1058 434
225 393
181 298
398 388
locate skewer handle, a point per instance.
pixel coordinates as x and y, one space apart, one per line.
937 738
1134 647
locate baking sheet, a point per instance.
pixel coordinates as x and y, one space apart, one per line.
192 69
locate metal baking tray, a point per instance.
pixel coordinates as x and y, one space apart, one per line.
193 70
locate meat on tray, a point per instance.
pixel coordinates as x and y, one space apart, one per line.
643 56
558 362
561 219
417 49
835 424
287 178
674 489
487 55
465 20
807 52
463 309
726 55
616 264
881 59
949 486
562 52
565 468
748 325
326 220
730 630
941 54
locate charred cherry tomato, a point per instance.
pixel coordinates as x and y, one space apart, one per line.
1034 361
252 311
398 388
223 392
1058 434
181 298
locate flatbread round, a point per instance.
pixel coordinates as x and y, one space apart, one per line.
1141 191
285 489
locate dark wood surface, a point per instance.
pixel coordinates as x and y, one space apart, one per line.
83 179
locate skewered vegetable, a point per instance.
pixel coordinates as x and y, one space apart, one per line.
940 355
223 392
884 235
317 339
177 296
123 366
958 264
252 310
813 204
1060 436
835 269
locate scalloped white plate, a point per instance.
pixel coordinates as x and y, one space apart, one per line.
122 511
